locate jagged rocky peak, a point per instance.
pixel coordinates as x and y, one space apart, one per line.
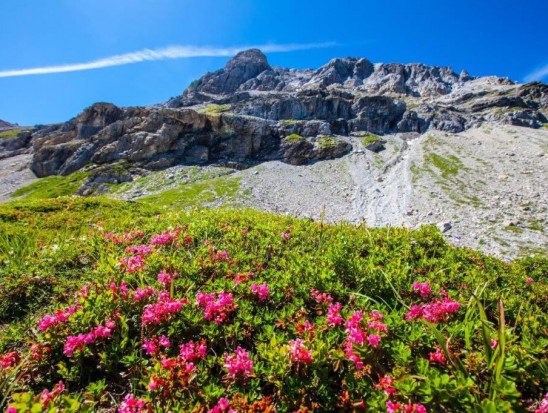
242 67
348 71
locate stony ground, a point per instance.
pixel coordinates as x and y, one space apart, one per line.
486 188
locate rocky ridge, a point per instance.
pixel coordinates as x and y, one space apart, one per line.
242 114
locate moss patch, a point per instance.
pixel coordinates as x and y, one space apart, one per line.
293 138
9 133
326 141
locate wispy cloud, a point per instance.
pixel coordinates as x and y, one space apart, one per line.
172 52
538 74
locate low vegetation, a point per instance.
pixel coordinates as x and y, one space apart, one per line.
9 133
53 186
109 305
327 141
369 139
212 108
293 138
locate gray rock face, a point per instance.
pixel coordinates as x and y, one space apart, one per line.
241 114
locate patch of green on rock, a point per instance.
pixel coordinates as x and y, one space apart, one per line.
327 142
293 138
9 133
369 139
213 108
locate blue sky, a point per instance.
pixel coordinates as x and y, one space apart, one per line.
491 37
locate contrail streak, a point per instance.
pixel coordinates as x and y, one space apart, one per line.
172 52
538 74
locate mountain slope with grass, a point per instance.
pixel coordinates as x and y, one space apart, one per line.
111 305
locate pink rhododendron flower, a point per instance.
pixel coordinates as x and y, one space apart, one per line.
375 315
261 291
78 342
124 238
139 250
299 353
374 339
286 235
221 407
159 312
423 289
434 311
494 344
166 237
438 357
142 293
9 359
392 407
355 333
386 384
321 297
238 364
352 356
193 351
166 278
378 326
529 280
132 405
415 408
216 308
11 409
47 396
220 256
132 264
543 407
61 316
333 316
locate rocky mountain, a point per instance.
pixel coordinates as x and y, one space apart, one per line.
6 126
241 114
400 141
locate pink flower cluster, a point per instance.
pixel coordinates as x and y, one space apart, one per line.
321 297
119 290
216 308
220 256
543 407
434 311
156 313
356 335
238 364
61 316
78 342
261 291
142 293
299 353
154 345
132 405
166 278
423 289
386 384
333 316
166 237
132 264
286 235
193 351
438 357
392 407
9 359
139 250
47 396
124 238
221 407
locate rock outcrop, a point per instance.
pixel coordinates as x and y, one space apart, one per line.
241 114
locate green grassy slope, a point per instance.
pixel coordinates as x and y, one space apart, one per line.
274 344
